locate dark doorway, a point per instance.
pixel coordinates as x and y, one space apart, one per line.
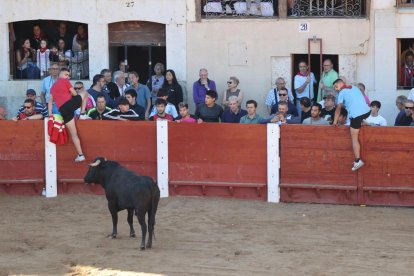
140 59
140 43
315 66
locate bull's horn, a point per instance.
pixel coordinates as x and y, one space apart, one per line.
96 163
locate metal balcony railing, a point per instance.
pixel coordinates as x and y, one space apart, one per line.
327 8
238 9
77 62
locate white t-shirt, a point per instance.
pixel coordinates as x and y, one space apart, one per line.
376 121
411 95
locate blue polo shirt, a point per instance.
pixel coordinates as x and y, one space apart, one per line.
353 100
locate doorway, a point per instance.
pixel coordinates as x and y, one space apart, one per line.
315 66
140 43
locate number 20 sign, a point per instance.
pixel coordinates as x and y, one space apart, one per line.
304 27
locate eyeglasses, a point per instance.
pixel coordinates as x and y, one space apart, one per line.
303 66
78 88
326 65
409 107
280 94
27 106
229 82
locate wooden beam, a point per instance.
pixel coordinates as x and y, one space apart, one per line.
282 10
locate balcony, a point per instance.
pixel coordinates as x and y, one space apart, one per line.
214 9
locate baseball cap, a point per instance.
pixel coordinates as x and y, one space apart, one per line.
31 91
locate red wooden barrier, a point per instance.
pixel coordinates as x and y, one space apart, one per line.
22 157
388 177
227 160
133 144
316 166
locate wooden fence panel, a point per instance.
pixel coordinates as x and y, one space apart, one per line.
316 165
133 144
226 160
22 157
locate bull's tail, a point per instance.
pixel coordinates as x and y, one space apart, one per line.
155 198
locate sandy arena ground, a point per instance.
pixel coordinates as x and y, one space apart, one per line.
205 236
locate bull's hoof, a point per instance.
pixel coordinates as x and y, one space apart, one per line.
142 247
132 235
112 236
149 245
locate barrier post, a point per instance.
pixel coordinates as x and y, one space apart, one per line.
162 157
273 163
50 164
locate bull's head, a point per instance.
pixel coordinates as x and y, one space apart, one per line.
93 175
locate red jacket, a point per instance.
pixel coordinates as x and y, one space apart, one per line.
57 131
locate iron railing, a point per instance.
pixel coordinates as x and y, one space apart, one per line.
327 8
77 62
238 9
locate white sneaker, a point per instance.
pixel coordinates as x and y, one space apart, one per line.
357 165
80 158
84 117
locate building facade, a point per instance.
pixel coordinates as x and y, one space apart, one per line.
364 38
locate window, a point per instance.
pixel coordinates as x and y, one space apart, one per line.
326 8
405 3
405 63
316 67
238 9
36 44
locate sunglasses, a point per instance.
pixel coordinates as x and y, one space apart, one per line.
78 88
229 82
282 94
409 107
27 106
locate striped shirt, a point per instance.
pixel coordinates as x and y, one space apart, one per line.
116 114
39 109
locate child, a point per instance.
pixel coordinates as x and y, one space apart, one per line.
169 109
42 57
185 116
53 54
160 105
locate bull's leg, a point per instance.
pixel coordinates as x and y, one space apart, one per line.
130 220
141 218
114 214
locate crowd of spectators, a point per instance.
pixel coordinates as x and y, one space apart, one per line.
35 53
121 96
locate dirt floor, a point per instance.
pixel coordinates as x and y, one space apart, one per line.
205 236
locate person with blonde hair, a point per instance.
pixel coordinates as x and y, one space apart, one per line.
232 91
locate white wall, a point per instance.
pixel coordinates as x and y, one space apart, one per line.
97 14
211 42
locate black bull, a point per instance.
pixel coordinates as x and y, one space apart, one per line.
125 189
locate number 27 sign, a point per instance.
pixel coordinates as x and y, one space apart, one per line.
304 27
